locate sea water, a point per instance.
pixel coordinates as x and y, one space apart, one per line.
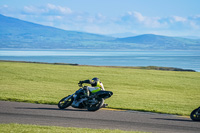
177 59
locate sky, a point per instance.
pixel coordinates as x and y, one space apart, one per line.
161 17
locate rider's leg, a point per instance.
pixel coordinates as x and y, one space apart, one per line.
86 91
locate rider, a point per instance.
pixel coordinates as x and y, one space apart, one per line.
95 83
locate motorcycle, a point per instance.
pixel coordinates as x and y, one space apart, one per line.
93 102
195 114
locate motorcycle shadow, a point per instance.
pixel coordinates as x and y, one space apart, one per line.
40 108
82 110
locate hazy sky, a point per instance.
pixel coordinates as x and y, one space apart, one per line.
164 17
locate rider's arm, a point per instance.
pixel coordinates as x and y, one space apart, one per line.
86 81
102 87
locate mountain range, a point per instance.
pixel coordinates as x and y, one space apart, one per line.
15 33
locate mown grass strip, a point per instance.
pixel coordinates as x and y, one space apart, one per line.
134 89
25 128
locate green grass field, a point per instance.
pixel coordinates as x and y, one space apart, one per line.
21 128
134 89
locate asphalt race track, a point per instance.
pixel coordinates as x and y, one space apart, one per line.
27 113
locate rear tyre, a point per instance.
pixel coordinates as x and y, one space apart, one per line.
65 102
96 106
195 115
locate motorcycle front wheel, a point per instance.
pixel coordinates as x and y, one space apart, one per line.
65 102
96 106
195 115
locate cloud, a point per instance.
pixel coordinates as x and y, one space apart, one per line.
31 10
5 9
48 9
58 9
170 24
179 19
131 21
138 16
195 22
139 20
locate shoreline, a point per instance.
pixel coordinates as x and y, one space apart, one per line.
131 67
31 49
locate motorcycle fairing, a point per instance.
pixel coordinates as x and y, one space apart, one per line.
104 94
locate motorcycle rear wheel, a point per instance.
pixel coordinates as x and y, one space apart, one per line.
96 106
65 102
195 115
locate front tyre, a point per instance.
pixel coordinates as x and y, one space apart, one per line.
65 102
96 106
195 115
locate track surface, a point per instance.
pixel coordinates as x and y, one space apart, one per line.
27 113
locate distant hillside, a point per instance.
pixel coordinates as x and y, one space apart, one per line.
15 33
122 35
162 42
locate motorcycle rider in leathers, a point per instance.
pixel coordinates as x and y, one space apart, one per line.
96 86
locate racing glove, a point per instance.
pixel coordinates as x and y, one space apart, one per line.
80 83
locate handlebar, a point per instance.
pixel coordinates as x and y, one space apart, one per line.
80 84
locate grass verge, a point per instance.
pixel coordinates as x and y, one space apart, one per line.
22 128
134 89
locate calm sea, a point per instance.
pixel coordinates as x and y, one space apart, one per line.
178 59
